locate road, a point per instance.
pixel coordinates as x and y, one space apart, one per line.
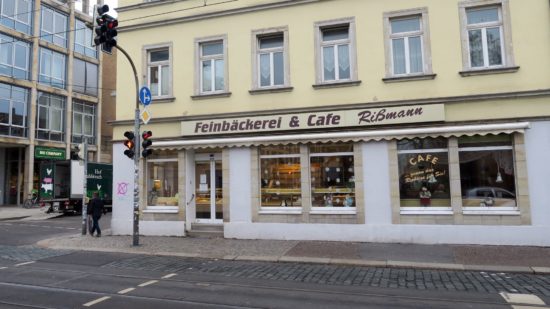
32 277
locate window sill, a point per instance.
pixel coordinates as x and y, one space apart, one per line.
337 84
501 211
280 211
161 210
333 211
473 72
408 78
426 211
164 100
204 96
270 90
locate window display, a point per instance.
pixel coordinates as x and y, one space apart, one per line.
487 175
280 176
332 175
162 183
423 172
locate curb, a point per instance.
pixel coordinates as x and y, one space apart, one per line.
13 218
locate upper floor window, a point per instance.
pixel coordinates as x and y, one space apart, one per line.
159 71
486 34
83 122
212 65
16 14
336 51
83 40
50 117
85 77
270 58
54 27
13 110
14 57
52 68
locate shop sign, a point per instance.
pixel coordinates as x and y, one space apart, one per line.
365 117
426 168
49 153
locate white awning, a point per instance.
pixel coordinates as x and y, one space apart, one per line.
348 136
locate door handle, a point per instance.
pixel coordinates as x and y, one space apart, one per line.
192 197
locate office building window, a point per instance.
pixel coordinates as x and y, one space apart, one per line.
83 40
85 77
50 117
84 115
13 110
16 14
52 68
53 27
14 57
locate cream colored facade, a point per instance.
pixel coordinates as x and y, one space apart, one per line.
507 94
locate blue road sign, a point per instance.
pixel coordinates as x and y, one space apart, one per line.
145 96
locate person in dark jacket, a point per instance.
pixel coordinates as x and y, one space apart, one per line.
95 208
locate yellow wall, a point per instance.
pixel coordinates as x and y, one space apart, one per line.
530 32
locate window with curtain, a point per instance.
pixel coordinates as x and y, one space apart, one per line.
50 117
280 169
423 165
84 115
52 68
406 45
14 57
83 40
53 26
85 77
335 51
332 175
271 60
158 72
17 14
487 175
485 37
212 66
13 110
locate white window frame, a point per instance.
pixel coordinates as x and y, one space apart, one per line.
6 41
319 27
259 34
18 17
423 33
59 33
82 115
81 30
48 71
148 65
200 59
12 101
505 32
50 112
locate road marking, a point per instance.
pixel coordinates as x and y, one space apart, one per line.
527 299
126 290
148 283
21 264
93 302
203 284
3 267
169 276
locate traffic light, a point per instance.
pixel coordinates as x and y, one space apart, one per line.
146 135
129 143
105 29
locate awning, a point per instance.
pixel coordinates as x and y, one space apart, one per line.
348 136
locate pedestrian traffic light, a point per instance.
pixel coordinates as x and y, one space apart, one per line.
105 29
146 137
129 143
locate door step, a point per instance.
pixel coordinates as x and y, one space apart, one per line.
206 230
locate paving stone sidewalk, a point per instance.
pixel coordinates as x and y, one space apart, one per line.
448 257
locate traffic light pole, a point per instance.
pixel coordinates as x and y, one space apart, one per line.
137 152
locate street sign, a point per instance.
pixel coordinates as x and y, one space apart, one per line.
145 116
145 96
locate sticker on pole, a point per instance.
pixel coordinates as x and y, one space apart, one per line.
145 116
145 96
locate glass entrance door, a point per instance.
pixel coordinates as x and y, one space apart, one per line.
208 191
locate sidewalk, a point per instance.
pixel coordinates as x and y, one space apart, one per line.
449 257
17 212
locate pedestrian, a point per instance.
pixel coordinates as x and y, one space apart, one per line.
95 208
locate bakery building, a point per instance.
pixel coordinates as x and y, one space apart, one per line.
410 121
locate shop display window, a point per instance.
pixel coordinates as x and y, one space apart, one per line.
280 171
487 175
332 175
162 182
423 172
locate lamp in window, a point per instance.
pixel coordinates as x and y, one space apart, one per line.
432 179
499 177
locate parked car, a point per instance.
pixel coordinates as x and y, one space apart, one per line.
489 196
